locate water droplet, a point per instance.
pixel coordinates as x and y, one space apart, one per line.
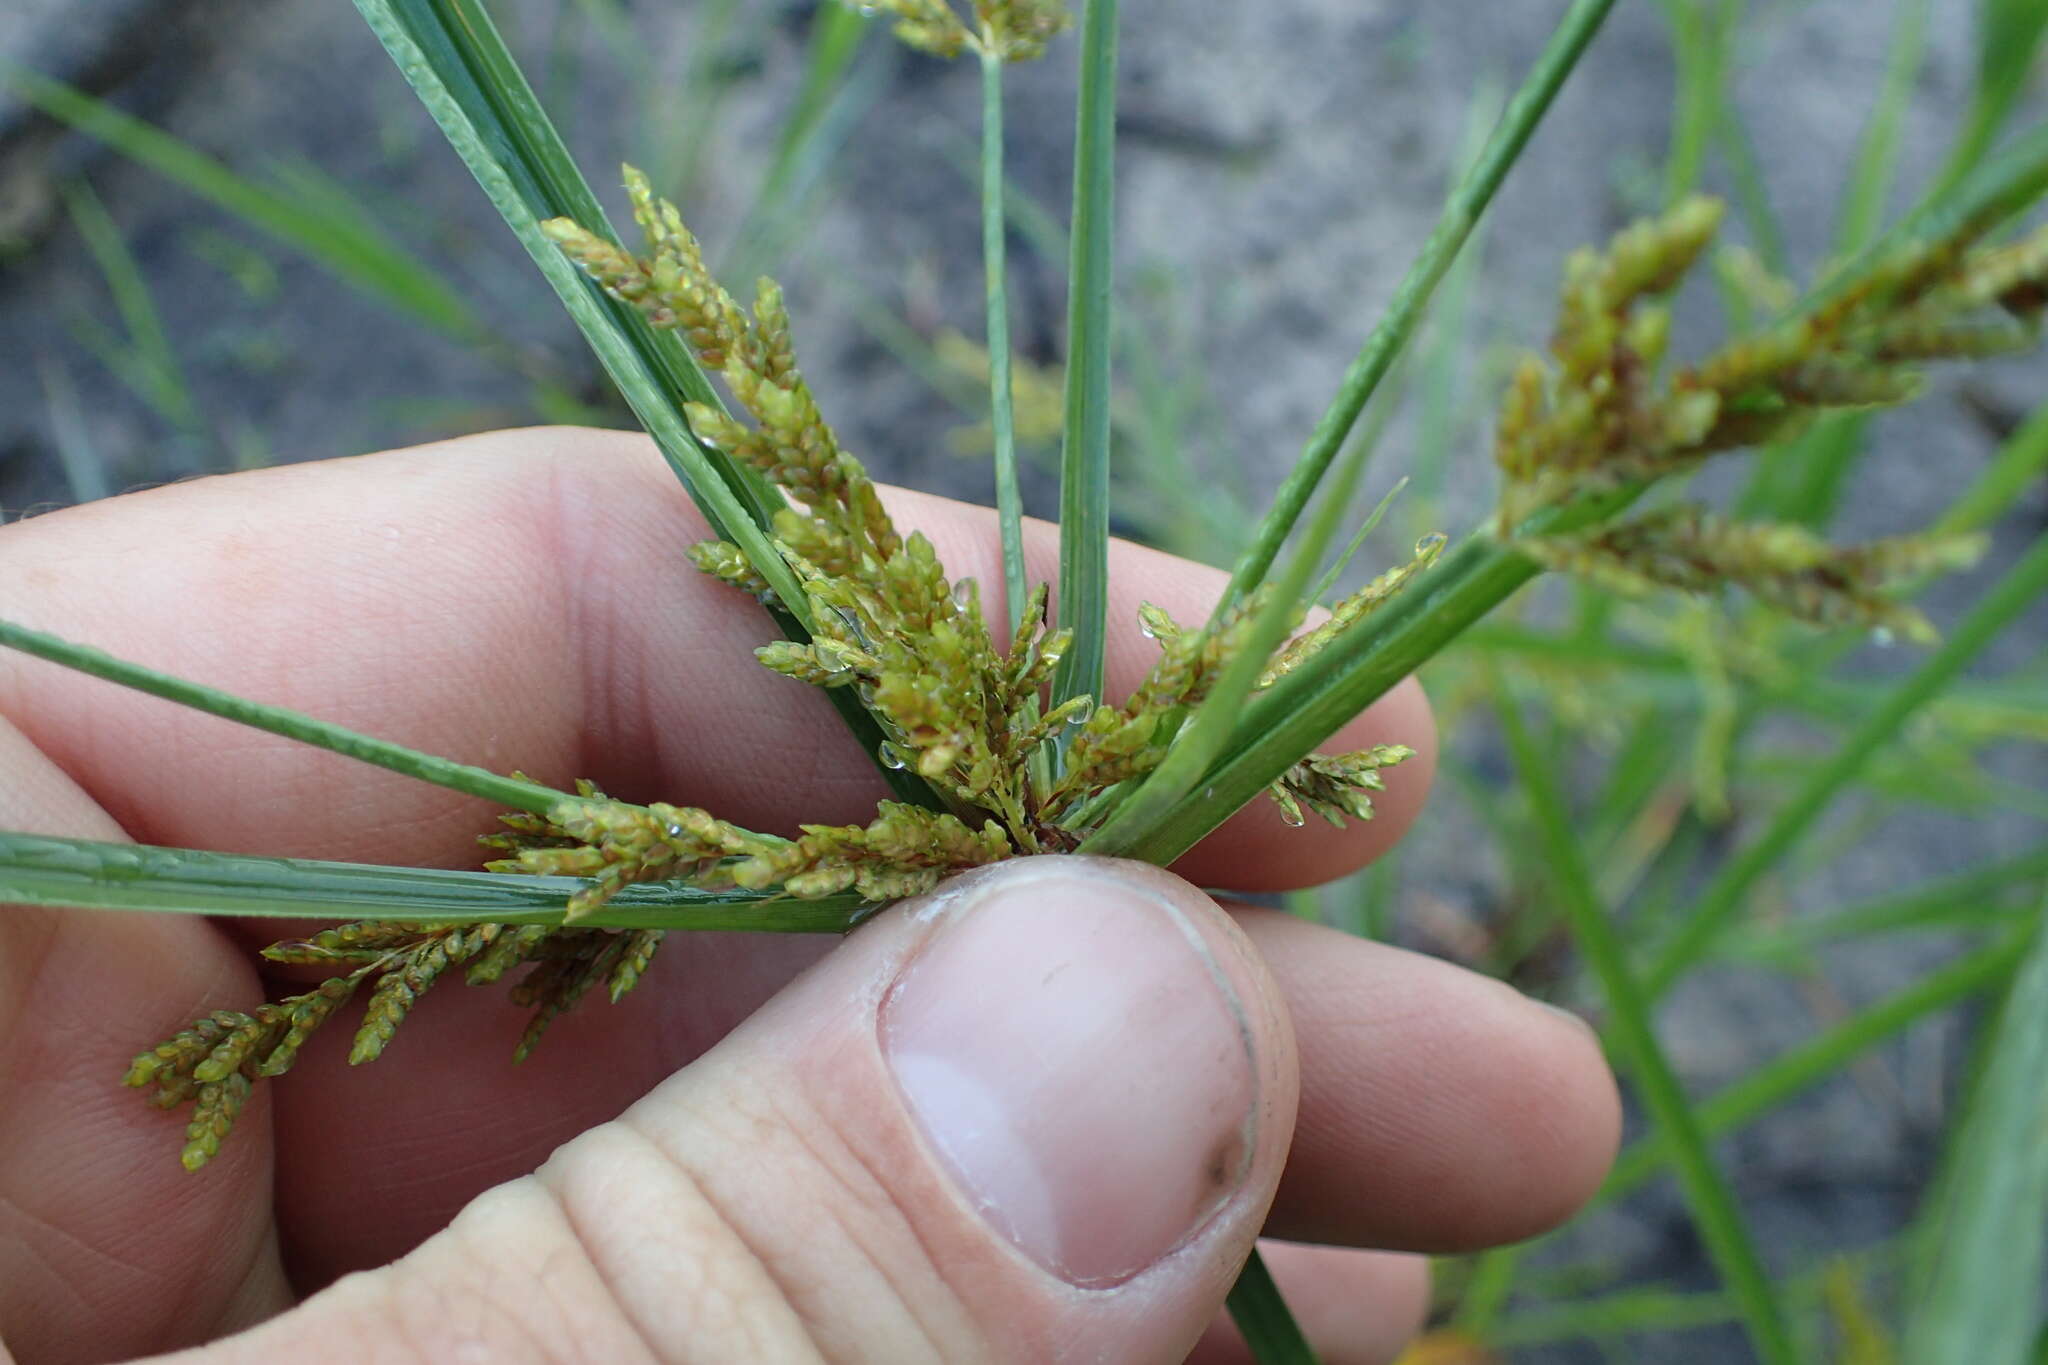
675 831
892 757
1145 629
1883 637
1081 716
964 592
1293 816
1050 657
1430 544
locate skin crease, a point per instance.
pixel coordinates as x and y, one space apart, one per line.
409 595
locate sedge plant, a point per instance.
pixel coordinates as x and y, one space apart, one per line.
1001 750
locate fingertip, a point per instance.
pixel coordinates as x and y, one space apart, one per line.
1441 1111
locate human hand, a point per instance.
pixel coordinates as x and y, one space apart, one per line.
1042 1120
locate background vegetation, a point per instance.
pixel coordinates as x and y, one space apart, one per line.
323 278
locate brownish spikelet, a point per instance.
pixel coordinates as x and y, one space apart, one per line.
218 1105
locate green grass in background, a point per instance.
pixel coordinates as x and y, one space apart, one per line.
1655 803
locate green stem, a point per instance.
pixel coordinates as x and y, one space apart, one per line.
994 230
1460 215
1807 1065
1715 1212
1084 454
1262 1318
1730 890
1741 1102
1305 706
83 875
442 772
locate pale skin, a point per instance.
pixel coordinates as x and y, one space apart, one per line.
521 599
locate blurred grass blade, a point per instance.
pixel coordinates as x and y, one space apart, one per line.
1802 480
146 362
1614 1316
1461 213
1091 341
833 98
1263 1320
836 34
1002 419
2019 465
277 720
1730 889
2009 34
1702 33
1445 406
1776 1082
79 874
1794 1072
451 54
1986 1235
1715 1213
1943 904
1877 154
349 247
85 469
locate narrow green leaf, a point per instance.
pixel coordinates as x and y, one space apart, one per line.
1877 154
1701 32
1802 481
1002 421
1306 706
836 34
2019 465
1621 1314
452 55
1445 407
1943 903
829 105
1752 195
1368 440
1091 339
1715 1212
1209 729
158 375
1460 215
79 874
85 468
1740 1103
442 772
1986 1238
2009 35
1262 1318
1730 889
350 248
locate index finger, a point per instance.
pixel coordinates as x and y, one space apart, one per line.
519 599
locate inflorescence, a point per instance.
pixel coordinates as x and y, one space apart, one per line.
1580 435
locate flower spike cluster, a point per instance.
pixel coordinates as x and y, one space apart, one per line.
1007 30
972 719
1597 417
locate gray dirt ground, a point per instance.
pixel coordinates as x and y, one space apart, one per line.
1280 163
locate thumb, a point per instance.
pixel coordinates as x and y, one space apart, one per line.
1037 1115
